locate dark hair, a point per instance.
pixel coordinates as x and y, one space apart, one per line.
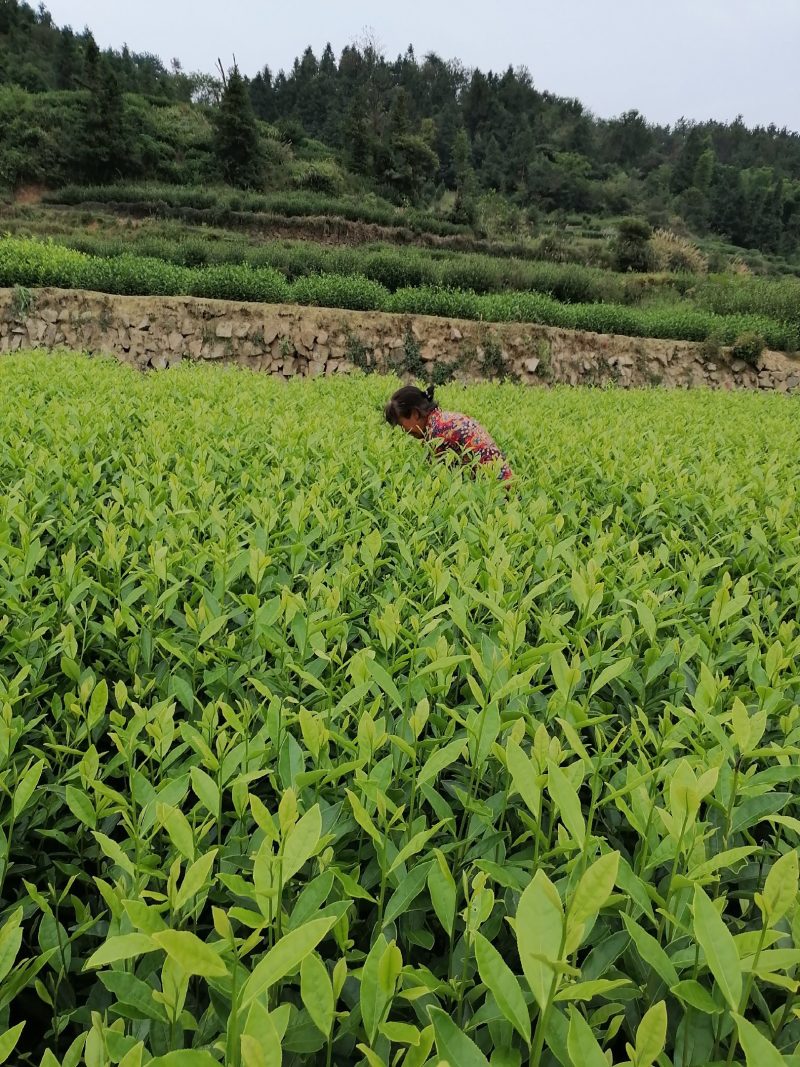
408 400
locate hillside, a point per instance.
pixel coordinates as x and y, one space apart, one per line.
488 151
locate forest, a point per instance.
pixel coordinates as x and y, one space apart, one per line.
417 130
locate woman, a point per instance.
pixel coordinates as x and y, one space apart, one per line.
418 414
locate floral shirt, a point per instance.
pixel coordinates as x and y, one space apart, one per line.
461 434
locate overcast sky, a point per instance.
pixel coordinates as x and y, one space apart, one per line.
667 58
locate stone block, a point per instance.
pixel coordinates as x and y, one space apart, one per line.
224 331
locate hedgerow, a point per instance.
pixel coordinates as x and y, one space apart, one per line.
32 263
224 200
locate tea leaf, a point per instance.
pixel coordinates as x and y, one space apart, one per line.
582 1044
500 980
719 948
452 1044
316 991
539 931
285 958
190 953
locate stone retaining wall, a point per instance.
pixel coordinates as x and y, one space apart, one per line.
159 332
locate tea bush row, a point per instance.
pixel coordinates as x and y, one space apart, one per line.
226 201
396 268
30 263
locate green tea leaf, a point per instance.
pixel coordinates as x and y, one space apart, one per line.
498 977
582 1045
8 1041
566 799
442 888
780 888
81 807
758 1050
301 842
719 948
378 979
523 775
316 991
594 888
121 947
692 993
452 1044
614 670
651 1035
441 759
190 953
651 952
285 957
25 788
539 931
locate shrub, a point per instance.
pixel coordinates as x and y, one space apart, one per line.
711 348
632 245
749 346
261 285
321 177
32 263
673 253
340 291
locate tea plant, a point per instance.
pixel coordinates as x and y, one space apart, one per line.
33 264
313 752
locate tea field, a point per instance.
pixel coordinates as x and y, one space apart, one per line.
313 752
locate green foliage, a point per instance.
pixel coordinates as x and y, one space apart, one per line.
316 751
358 354
711 348
494 363
323 178
632 245
421 130
748 346
31 263
237 147
220 205
23 301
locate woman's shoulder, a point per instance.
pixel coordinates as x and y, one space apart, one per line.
451 418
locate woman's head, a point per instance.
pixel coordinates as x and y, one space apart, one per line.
409 408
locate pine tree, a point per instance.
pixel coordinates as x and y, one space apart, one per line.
237 147
104 143
66 60
357 141
399 124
